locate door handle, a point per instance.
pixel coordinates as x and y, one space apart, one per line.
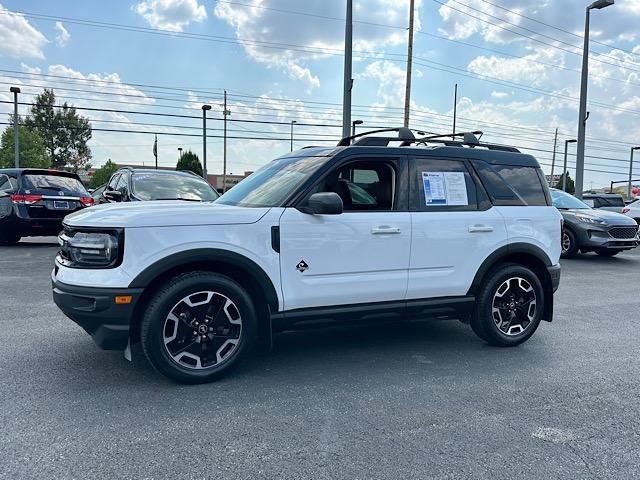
385 230
480 228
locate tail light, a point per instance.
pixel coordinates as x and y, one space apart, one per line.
626 210
86 201
26 199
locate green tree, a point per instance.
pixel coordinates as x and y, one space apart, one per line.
103 174
65 133
190 162
571 186
32 151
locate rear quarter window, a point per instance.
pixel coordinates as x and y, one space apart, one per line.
513 184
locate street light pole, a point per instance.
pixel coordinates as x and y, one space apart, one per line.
293 122
205 108
353 126
564 173
633 149
16 131
348 61
582 115
179 153
455 110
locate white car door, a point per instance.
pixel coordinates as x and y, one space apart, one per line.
454 228
360 256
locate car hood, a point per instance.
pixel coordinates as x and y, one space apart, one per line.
163 214
611 218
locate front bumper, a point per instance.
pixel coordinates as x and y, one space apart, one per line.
96 311
596 238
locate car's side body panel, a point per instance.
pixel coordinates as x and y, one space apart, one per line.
537 226
448 248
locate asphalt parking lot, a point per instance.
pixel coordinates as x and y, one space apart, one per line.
422 400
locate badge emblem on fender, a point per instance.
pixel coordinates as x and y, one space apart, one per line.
302 266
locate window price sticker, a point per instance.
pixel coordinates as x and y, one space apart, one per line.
444 188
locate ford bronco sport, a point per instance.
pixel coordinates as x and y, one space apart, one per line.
397 227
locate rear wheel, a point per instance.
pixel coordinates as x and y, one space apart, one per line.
510 306
9 239
198 327
607 252
569 244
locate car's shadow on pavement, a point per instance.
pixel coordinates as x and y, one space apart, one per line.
300 357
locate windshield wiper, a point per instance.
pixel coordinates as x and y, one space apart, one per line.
180 198
47 187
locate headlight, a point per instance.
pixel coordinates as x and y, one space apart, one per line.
90 249
589 219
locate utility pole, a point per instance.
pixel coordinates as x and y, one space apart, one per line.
407 94
455 110
564 173
348 80
293 122
553 160
205 108
629 186
225 113
16 131
583 114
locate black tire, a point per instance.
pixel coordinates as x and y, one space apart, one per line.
169 298
570 248
483 322
607 252
10 239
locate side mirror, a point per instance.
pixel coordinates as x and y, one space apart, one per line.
327 203
113 195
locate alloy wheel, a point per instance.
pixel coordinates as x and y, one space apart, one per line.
514 306
202 330
566 242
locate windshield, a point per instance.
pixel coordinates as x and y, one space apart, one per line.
564 201
165 186
53 182
270 185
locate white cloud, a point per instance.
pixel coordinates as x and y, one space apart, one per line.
171 15
63 36
29 69
18 38
269 22
499 95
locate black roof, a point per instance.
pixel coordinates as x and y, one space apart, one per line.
154 171
441 146
37 171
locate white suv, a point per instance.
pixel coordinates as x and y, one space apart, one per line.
430 228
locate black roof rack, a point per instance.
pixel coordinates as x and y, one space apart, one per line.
406 136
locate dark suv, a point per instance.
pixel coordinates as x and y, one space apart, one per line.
34 202
604 201
141 184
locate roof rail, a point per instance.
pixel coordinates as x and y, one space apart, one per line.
406 136
403 134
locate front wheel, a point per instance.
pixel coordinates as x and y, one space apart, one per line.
509 307
569 244
607 252
198 327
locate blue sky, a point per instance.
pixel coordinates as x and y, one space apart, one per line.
516 62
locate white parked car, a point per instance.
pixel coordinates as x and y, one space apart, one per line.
633 210
428 228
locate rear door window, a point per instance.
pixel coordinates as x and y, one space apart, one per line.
51 183
441 185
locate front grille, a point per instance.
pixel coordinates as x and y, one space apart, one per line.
624 232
